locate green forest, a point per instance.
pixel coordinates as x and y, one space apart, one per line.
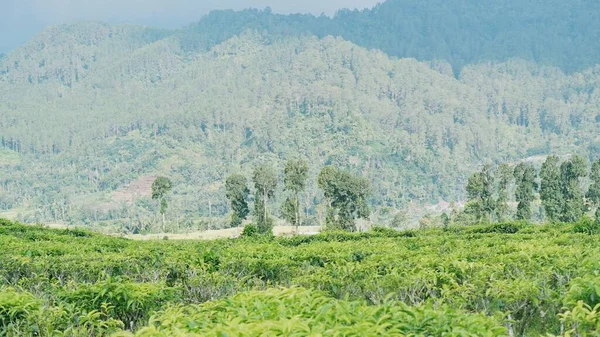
91 114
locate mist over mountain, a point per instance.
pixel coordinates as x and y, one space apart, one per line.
412 95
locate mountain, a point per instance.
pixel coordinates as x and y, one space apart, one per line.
90 113
460 32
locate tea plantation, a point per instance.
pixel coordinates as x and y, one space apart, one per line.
494 280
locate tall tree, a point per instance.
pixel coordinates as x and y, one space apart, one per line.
160 187
296 174
265 182
505 178
525 176
572 171
480 192
550 188
236 190
593 194
346 195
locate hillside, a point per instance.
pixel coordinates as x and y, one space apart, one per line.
90 113
461 32
413 128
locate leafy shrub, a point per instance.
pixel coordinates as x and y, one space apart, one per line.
385 231
249 231
5 222
471 269
587 225
303 312
125 301
586 289
17 306
343 236
500 228
581 320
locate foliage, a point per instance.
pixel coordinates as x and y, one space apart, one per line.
525 176
236 190
16 306
127 302
537 32
296 311
346 196
480 192
84 283
550 188
290 210
265 183
80 139
587 225
593 194
582 304
160 187
296 174
572 171
249 231
504 178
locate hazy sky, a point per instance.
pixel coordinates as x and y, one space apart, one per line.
22 19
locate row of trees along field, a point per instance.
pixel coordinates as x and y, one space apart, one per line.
565 190
346 196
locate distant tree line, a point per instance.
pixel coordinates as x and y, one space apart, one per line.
346 196
560 186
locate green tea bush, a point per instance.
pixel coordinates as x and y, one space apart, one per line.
128 302
540 279
301 312
17 306
581 316
587 225
501 228
586 289
249 231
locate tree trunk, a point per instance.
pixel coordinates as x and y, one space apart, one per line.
265 206
297 213
164 229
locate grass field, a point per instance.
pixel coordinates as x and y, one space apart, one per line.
493 280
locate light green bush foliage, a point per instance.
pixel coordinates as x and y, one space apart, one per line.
301 312
81 284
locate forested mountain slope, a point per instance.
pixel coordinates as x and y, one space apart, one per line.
107 111
560 33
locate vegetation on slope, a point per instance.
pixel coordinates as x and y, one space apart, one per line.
413 131
461 32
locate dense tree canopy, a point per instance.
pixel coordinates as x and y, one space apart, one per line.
551 192
346 196
525 177
236 190
460 32
572 171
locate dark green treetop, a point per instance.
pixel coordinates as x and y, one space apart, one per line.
236 190
347 196
525 176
